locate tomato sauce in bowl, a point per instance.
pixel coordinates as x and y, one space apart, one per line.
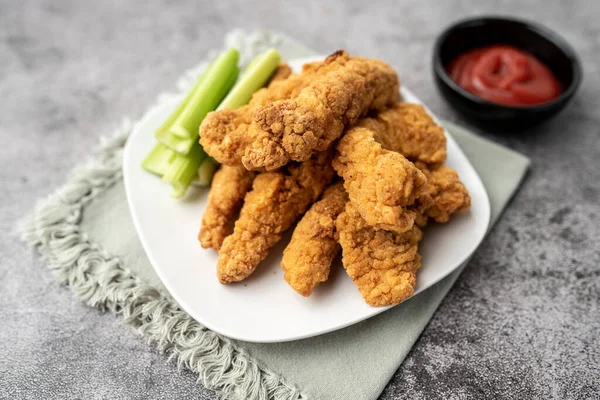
503 74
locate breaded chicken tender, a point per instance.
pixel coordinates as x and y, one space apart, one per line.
227 191
276 201
225 134
382 184
447 192
284 87
294 129
308 257
408 129
382 264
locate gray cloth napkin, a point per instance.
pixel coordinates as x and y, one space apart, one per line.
86 233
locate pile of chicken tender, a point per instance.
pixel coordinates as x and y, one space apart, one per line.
334 151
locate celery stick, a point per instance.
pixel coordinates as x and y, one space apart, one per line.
205 172
158 160
189 163
253 78
231 81
162 133
252 63
184 169
183 145
175 143
167 124
208 95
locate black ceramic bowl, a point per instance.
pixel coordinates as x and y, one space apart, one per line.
546 45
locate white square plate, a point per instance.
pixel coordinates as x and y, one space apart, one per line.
264 308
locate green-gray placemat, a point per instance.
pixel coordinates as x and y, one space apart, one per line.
85 232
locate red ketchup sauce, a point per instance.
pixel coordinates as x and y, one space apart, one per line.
505 75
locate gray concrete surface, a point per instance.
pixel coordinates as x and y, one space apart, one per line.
523 320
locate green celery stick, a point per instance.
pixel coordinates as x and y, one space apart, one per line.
190 164
158 160
175 143
184 169
253 78
231 81
252 63
208 95
190 155
205 172
167 124
183 145
162 133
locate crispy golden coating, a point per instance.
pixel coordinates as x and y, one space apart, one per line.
383 185
293 129
284 87
280 87
308 256
227 191
283 71
225 134
408 129
276 201
382 264
447 192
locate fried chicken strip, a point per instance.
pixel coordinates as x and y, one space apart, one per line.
447 192
382 184
227 191
382 264
293 129
308 257
284 87
276 201
225 134
409 130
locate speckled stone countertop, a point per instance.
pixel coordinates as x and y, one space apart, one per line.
523 320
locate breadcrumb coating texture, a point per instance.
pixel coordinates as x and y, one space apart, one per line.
381 184
276 201
382 264
225 134
307 258
449 195
295 128
226 196
409 130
